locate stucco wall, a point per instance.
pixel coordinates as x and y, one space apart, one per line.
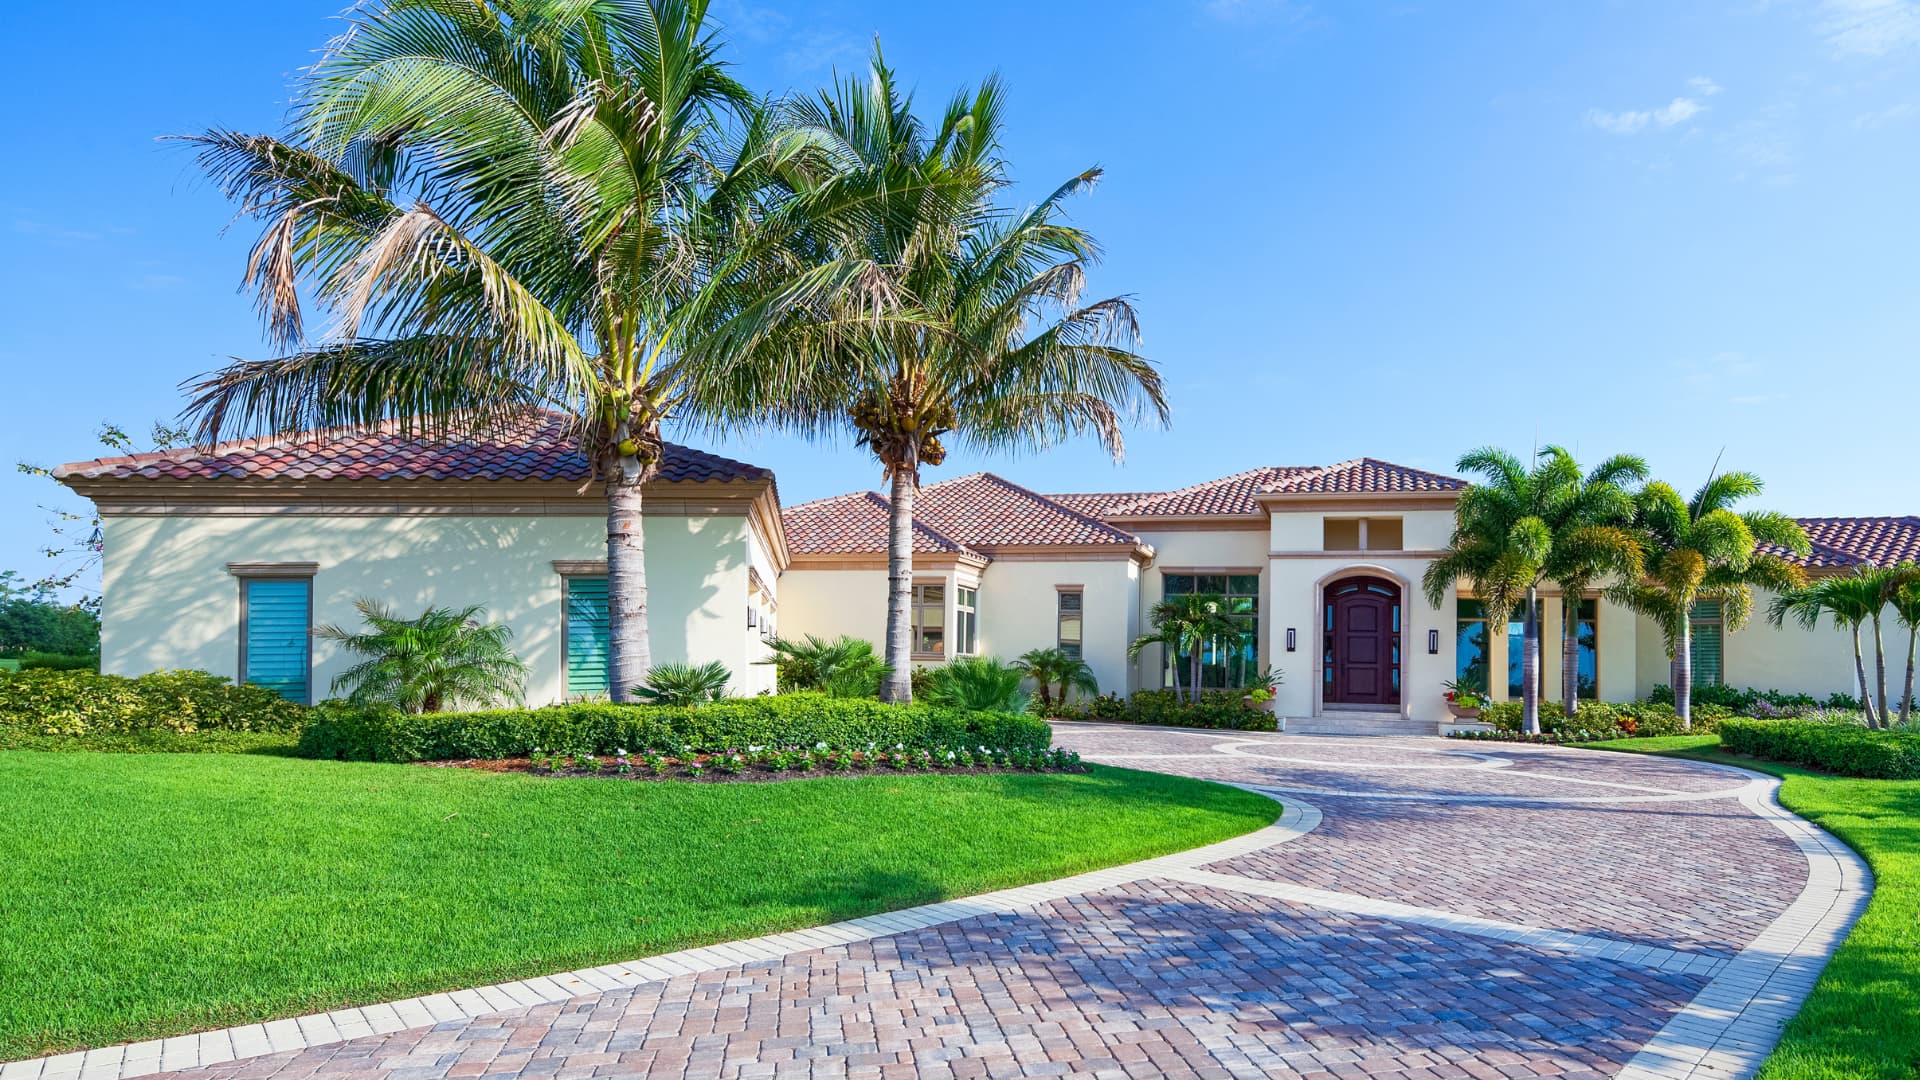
1184 551
169 601
1018 611
830 603
1789 658
1295 585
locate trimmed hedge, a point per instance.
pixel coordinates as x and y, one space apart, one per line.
339 731
53 661
1223 710
46 702
1847 749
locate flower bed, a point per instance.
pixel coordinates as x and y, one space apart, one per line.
761 763
1837 747
602 730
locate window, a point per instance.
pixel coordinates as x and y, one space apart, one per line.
588 644
1362 534
1472 660
930 620
1516 647
967 621
1708 628
1223 663
1587 659
276 650
1068 621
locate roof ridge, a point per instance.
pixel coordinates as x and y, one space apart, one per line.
1216 481
1063 508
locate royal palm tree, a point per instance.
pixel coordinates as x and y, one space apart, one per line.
1187 626
1850 600
502 205
1700 549
1049 668
1593 540
443 659
933 313
1523 526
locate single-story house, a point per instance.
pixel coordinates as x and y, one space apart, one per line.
225 559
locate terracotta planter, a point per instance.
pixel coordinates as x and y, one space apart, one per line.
1464 712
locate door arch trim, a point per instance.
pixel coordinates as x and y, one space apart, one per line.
1407 593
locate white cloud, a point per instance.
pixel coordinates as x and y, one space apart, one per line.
1633 121
1870 27
1892 114
1704 86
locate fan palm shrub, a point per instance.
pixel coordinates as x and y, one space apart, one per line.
978 683
1520 527
845 666
1701 549
1050 668
1186 626
501 207
444 659
684 684
932 313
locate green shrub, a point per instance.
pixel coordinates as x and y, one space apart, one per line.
1748 701
339 731
1606 720
684 684
1844 748
53 661
980 683
1225 710
79 703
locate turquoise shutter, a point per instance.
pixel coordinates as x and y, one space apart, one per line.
588 637
1707 643
277 646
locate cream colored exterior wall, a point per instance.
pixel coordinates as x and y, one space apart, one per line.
1019 611
1791 658
169 601
1187 550
832 603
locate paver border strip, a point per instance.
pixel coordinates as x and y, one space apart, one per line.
167 1054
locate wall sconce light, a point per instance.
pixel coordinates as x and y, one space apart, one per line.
753 618
1433 642
1290 639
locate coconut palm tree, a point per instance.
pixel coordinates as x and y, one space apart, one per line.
1850 600
1593 540
1049 668
502 206
1504 536
934 314
1700 549
1188 625
443 659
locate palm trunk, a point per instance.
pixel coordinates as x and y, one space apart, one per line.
626 580
1193 676
898 686
1860 669
1683 676
1570 655
1880 673
1906 702
1530 666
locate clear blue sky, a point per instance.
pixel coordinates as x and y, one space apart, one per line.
1388 229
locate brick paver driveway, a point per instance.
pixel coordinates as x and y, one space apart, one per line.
1428 909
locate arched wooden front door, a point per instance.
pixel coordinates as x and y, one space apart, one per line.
1361 624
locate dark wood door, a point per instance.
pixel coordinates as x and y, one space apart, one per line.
1363 642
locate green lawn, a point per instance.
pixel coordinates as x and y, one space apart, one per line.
154 894
1863 1020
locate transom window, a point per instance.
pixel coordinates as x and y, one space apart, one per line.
1223 662
1069 625
1363 534
930 621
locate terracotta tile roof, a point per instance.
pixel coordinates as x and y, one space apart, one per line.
987 511
1098 503
536 448
854 524
1856 541
975 513
1227 495
1363 476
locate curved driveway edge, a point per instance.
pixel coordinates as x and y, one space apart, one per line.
1423 909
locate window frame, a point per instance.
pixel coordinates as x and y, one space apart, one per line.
566 615
1076 648
1580 617
917 603
1486 642
966 620
1247 665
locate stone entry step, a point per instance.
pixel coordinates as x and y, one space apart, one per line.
1360 723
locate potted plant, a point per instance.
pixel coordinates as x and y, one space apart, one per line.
1463 702
1262 689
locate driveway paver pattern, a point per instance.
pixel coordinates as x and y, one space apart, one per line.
1449 911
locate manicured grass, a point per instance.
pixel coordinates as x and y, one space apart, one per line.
1862 1021
151 894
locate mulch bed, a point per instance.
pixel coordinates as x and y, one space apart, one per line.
749 774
